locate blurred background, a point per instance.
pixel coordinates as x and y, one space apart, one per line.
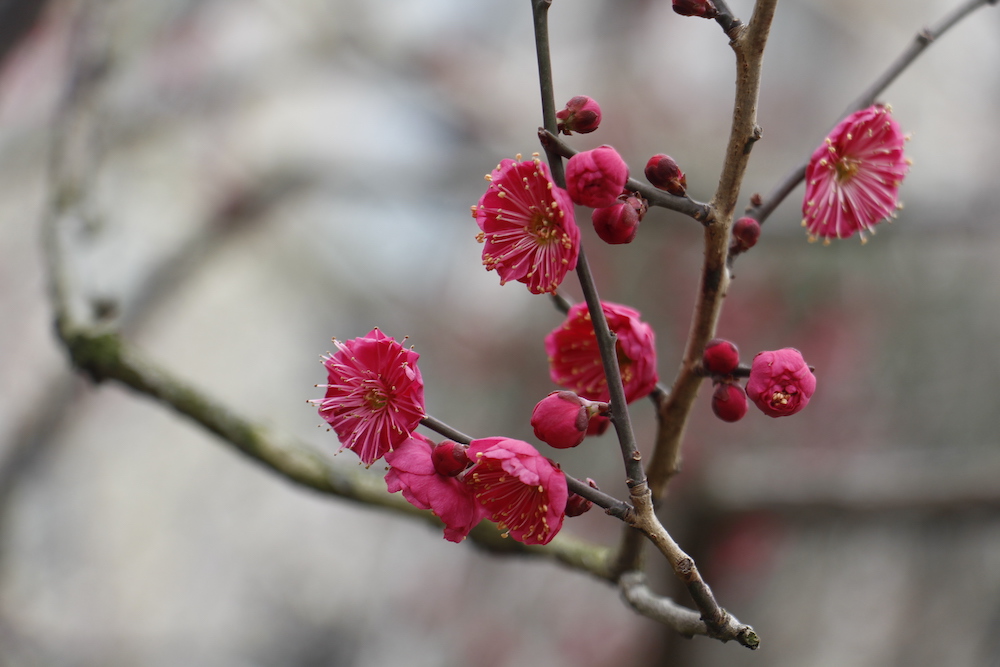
272 174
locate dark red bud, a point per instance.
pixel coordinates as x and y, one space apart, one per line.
577 504
721 357
449 458
746 231
619 223
704 8
582 114
664 173
729 402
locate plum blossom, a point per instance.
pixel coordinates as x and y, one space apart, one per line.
528 227
429 477
853 178
521 490
374 394
781 382
575 360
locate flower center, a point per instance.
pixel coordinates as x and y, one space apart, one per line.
846 168
375 399
541 227
780 398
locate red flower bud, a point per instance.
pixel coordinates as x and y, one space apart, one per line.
577 504
582 114
721 357
596 177
662 171
561 419
780 382
746 231
449 458
729 402
703 8
619 223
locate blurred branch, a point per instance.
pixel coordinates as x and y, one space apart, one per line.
102 354
686 622
921 41
865 483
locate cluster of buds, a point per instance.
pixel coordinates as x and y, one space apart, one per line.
721 359
780 382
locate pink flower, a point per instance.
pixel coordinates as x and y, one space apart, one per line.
562 418
374 396
417 470
522 490
596 177
582 114
780 382
528 226
853 179
575 361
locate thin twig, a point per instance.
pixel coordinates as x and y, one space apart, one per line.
690 207
606 338
920 42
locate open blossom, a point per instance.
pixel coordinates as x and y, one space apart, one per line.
374 394
527 225
853 179
780 382
521 490
575 360
430 482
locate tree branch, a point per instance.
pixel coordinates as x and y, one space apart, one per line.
636 593
674 411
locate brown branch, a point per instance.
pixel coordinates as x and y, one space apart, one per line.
685 621
674 411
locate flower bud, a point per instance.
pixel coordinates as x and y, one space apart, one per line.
746 231
781 382
449 458
619 223
721 357
702 8
561 419
662 171
729 402
577 504
582 114
596 177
